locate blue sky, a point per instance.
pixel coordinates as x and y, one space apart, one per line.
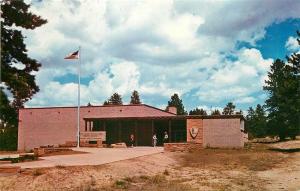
209 52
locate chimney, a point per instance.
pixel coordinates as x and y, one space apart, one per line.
172 109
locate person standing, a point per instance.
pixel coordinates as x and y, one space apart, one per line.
154 138
131 140
166 137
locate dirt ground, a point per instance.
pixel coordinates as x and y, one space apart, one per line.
254 168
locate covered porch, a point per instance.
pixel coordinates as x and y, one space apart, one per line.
119 129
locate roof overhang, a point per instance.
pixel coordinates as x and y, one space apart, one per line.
177 117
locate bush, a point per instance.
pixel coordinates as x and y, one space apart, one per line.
9 139
37 172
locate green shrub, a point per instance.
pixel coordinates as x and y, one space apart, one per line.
9 139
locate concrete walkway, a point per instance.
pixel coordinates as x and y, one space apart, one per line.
96 156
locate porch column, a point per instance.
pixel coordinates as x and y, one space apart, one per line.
152 127
135 133
119 131
90 125
170 133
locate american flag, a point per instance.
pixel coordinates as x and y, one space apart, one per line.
74 55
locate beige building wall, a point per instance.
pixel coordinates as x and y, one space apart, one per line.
223 133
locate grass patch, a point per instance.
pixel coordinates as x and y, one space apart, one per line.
156 182
157 179
20 159
37 172
293 150
60 166
259 159
166 172
88 186
121 184
144 177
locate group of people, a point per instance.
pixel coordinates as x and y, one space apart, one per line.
165 139
154 139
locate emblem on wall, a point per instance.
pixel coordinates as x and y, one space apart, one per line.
194 132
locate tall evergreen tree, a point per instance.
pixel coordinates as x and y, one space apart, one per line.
115 99
106 102
229 109
239 112
275 103
294 92
197 111
256 122
177 102
282 103
135 98
19 81
215 112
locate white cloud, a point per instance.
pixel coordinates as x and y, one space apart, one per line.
122 78
209 109
155 47
292 44
245 100
237 79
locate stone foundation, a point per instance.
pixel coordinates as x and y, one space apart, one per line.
42 151
183 147
97 143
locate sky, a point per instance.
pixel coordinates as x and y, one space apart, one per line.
208 52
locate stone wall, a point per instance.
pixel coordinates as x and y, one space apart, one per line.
182 147
197 124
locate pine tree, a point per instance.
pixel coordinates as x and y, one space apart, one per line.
105 102
256 122
135 98
198 112
229 109
115 99
177 102
215 112
281 89
249 123
20 82
239 112
294 92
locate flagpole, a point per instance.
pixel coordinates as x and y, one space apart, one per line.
78 107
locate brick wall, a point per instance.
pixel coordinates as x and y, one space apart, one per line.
50 126
223 133
196 123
